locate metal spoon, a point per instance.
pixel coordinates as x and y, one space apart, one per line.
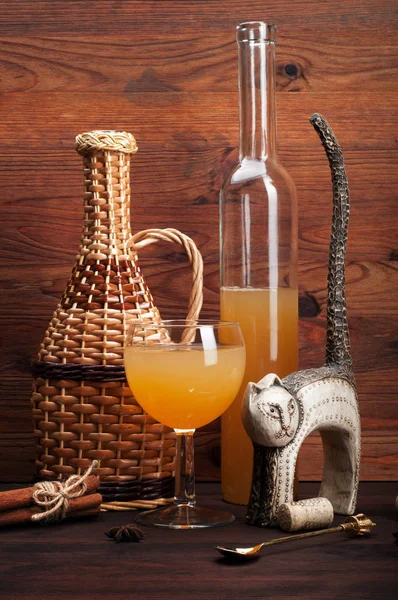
357 525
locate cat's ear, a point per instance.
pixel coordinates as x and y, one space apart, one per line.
252 390
268 380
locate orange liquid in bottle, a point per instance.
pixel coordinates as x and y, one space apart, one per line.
269 323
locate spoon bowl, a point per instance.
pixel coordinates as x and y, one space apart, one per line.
241 554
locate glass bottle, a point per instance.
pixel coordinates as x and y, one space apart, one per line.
258 229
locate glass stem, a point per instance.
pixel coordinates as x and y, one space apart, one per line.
185 469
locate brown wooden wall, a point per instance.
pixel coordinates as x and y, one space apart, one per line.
167 72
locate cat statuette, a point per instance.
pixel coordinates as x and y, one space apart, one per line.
278 414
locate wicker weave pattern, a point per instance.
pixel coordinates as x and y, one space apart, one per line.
115 141
78 421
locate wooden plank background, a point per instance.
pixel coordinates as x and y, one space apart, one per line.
167 72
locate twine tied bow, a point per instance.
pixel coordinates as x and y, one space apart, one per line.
54 496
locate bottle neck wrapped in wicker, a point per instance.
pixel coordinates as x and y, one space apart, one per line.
106 291
106 172
106 206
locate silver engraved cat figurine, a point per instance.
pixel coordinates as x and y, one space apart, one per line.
278 414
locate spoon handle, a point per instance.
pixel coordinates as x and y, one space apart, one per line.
301 536
355 525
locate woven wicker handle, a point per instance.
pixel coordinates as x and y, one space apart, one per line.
151 236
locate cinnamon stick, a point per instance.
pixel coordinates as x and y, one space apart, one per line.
13 499
90 512
82 506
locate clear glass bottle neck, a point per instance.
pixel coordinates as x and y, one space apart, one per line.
257 105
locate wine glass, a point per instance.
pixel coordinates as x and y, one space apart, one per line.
185 374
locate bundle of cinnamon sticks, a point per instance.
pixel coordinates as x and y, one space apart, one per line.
17 506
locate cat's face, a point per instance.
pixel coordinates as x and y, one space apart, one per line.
270 413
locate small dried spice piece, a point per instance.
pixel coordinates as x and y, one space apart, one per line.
125 533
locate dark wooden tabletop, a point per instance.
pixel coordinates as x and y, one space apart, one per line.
76 560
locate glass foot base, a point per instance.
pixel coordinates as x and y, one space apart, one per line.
185 517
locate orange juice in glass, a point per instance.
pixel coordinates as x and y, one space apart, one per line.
185 374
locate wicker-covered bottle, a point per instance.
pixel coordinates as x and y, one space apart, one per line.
83 408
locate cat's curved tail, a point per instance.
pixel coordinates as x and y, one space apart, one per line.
338 337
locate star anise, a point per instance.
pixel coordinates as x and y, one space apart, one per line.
125 533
